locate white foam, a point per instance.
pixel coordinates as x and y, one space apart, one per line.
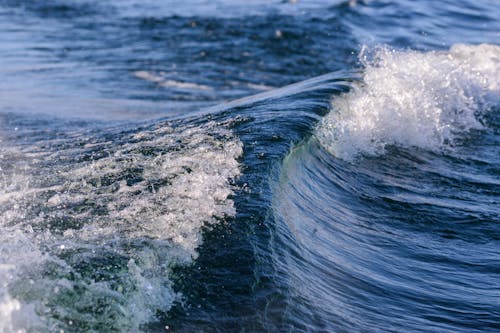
8 307
181 183
410 98
199 177
16 254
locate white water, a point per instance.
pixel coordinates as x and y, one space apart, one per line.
409 98
60 212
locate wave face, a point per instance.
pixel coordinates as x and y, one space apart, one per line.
388 216
408 98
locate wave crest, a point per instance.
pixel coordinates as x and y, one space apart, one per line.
409 98
92 226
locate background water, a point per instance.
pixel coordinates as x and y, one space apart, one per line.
227 166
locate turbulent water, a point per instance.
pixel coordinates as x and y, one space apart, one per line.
259 166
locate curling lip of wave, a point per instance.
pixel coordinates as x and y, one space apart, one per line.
409 98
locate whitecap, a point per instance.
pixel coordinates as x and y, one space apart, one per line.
413 99
91 222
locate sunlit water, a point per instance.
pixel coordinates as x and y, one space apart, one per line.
222 166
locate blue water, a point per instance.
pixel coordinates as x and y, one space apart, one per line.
262 166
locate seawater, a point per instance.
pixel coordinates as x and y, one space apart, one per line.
264 166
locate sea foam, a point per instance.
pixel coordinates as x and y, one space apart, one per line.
91 225
413 99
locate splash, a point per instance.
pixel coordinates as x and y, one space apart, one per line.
93 224
414 99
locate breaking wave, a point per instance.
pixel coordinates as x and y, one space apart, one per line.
92 224
414 99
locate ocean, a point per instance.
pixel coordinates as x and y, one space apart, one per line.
249 166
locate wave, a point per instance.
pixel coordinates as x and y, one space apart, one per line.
403 242
428 100
105 228
387 216
92 224
99 221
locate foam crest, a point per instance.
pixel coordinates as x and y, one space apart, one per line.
165 184
409 98
100 220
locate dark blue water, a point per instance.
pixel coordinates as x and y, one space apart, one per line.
262 166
